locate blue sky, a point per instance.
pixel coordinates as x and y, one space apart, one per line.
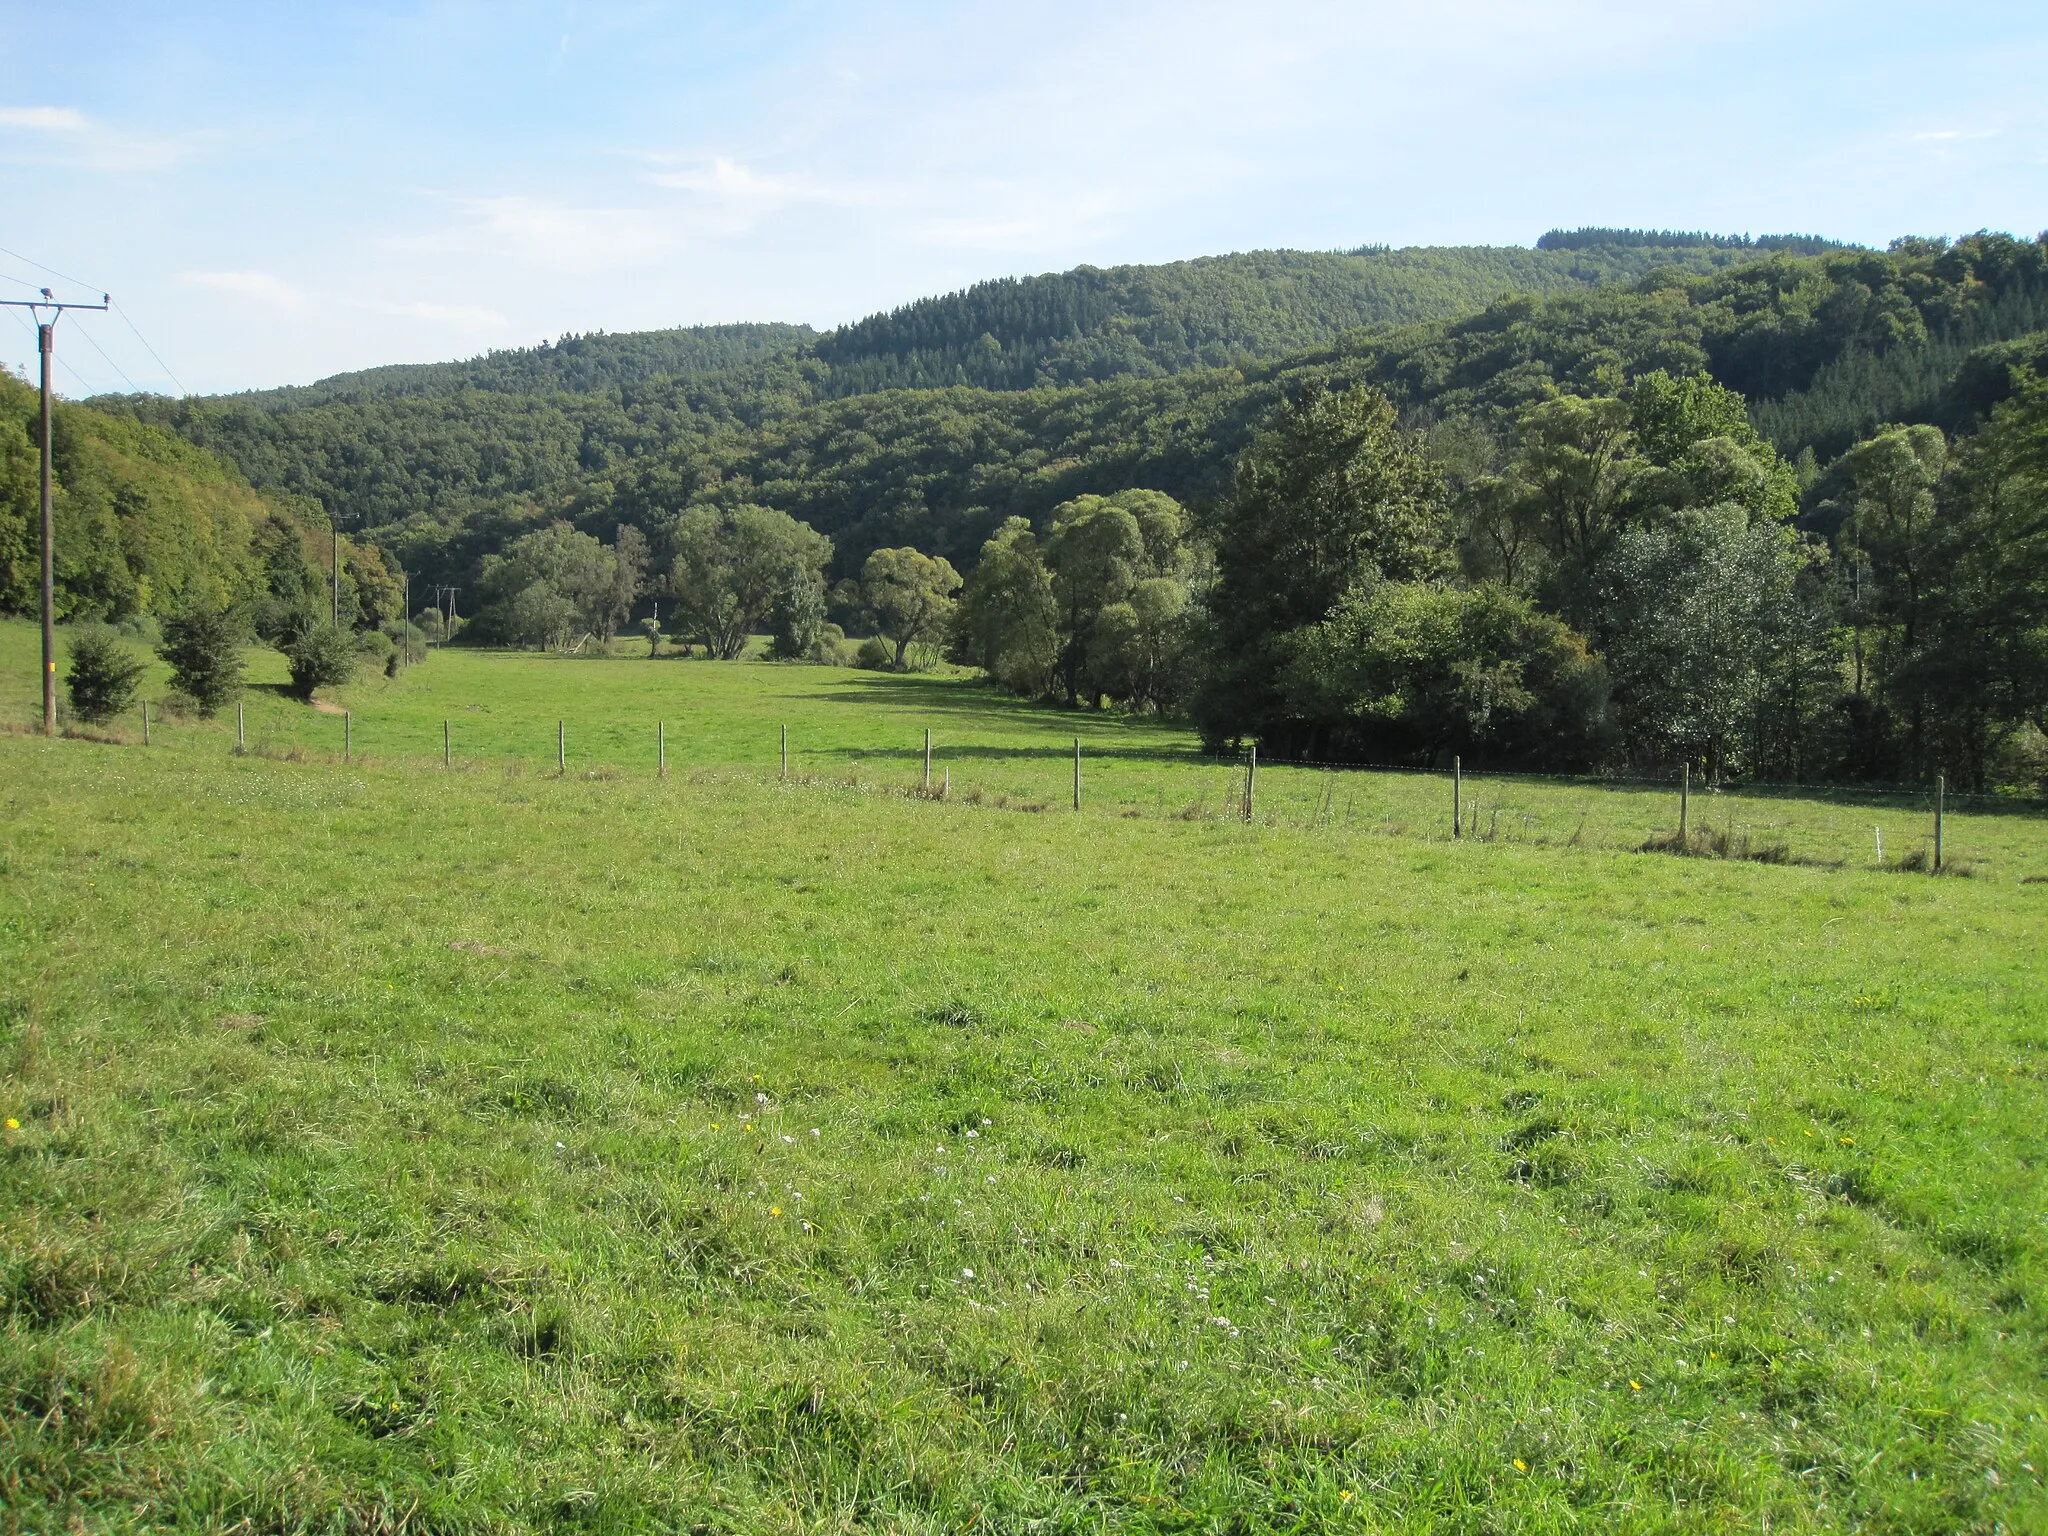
274 192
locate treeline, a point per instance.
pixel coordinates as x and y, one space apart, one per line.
1825 348
1615 580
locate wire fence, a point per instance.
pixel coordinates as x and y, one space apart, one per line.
1891 827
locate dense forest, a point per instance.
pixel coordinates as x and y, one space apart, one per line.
975 425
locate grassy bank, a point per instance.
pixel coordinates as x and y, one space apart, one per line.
484 1151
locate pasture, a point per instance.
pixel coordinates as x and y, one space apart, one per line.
393 1148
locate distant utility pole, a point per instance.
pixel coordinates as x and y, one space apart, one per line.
334 524
46 347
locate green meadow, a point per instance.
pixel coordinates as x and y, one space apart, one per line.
492 1149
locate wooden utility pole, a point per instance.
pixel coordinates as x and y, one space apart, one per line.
46 351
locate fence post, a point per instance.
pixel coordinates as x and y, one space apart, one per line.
1940 796
241 732
1077 773
927 759
1457 797
785 752
660 750
1251 784
445 763
347 724
145 722
561 749
1684 800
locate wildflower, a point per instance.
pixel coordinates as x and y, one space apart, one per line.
790 1139
774 1210
714 1125
986 1121
1521 1465
558 1146
972 1134
13 1124
1345 1496
967 1274
814 1130
805 1225
1635 1386
1848 1141
760 1098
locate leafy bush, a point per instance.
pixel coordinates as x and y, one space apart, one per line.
203 647
104 674
875 655
321 655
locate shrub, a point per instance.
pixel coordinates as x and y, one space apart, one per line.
203 648
876 655
104 675
320 655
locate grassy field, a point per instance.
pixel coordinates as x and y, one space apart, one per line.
848 727
498 1151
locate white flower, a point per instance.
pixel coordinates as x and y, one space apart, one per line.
760 1098
988 1122
790 1139
972 1134
814 1130
967 1274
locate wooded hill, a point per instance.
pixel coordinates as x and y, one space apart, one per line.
1825 346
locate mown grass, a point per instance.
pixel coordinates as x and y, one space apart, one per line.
424 1151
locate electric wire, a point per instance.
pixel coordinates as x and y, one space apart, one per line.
126 319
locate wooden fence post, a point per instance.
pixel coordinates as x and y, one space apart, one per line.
927 759
1077 773
785 752
561 749
1940 797
145 722
347 725
241 732
1457 797
1684 800
660 750
1251 784
445 763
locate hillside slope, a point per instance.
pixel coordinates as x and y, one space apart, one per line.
146 521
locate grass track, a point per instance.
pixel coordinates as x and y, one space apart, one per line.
382 1163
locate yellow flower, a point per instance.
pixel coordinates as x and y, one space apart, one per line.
1636 1386
1521 1465
774 1210
714 1125
1848 1141
1345 1496
13 1124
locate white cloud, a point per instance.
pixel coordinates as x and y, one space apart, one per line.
545 233
44 119
466 316
263 287
70 138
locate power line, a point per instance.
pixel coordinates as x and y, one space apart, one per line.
126 319
152 351
132 385
51 270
